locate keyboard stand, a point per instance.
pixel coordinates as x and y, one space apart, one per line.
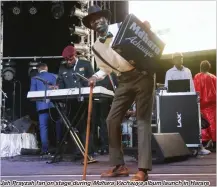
73 134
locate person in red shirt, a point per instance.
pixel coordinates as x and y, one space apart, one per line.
205 84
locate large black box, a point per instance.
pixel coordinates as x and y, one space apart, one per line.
134 41
180 113
162 148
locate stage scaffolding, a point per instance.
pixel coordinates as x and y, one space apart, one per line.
1 55
90 42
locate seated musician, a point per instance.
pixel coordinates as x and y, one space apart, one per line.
179 72
205 84
44 107
66 79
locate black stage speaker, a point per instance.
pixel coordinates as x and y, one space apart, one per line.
22 125
180 113
166 147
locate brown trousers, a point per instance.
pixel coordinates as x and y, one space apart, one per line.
139 87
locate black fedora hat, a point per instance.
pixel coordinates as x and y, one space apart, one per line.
95 10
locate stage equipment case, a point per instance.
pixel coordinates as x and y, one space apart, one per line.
180 113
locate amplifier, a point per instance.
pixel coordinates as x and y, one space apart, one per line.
180 113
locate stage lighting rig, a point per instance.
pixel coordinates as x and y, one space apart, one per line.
80 31
16 10
33 68
78 12
82 48
9 71
33 10
84 2
57 9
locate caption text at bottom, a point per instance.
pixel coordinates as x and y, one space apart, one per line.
104 183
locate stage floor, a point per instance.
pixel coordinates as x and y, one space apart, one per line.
25 168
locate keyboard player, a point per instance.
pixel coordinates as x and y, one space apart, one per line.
44 107
66 79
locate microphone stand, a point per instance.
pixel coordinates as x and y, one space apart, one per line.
45 92
3 106
80 98
3 120
46 83
14 93
79 78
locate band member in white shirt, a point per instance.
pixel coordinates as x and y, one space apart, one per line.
178 71
133 85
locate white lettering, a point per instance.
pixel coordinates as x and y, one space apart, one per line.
179 119
137 44
135 28
144 37
172 183
199 183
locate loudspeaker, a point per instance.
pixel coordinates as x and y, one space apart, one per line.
30 151
180 118
166 147
23 125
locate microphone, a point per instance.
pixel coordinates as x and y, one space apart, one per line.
80 76
42 80
45 83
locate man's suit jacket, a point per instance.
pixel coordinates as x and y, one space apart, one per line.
67 80
37 85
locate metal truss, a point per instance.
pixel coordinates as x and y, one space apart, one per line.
1 55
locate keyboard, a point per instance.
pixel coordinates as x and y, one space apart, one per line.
98 92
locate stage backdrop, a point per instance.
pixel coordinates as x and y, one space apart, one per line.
184 26
39 35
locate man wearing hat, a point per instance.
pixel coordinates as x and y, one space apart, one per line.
132 85
178 71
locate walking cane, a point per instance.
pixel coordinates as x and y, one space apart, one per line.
88 131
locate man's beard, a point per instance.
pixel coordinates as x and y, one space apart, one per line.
102 29
69 65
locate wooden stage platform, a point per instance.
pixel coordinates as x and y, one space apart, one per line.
26 168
